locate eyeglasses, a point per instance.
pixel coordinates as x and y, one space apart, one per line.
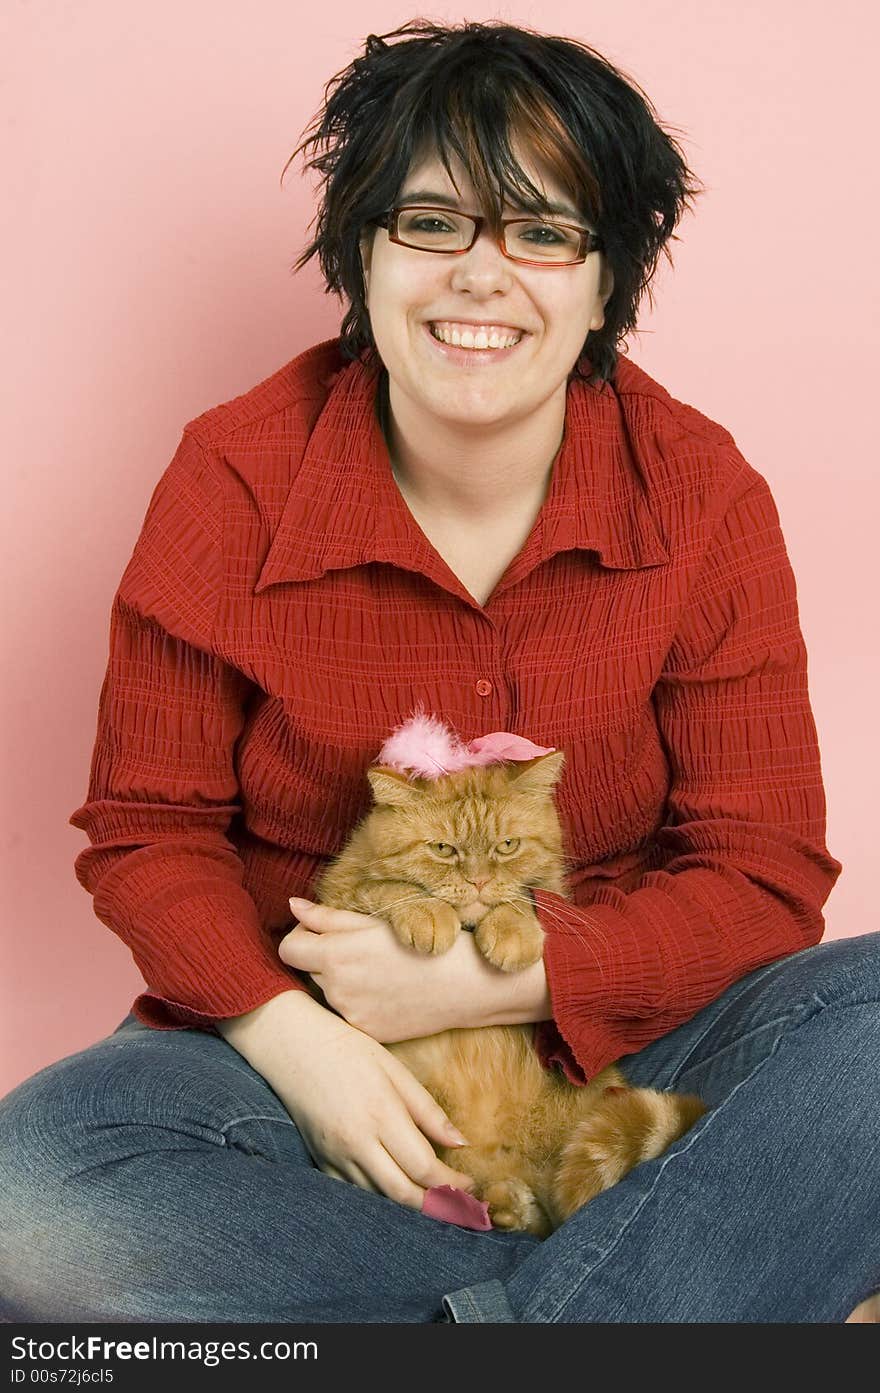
530 241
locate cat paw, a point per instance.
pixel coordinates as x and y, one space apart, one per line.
431 926
510 939
512 1205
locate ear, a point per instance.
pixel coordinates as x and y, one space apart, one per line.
365 244
539 775
603 294
606 281
391 789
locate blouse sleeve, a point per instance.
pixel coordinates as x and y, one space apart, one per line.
746 870
162 789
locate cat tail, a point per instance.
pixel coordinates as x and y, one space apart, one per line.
622 1129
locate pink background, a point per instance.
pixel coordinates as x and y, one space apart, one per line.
146 248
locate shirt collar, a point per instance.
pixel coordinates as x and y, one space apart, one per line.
344 507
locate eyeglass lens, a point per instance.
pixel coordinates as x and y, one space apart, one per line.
442 230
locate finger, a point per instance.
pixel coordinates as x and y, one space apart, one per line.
323 918
381 1174
302 948
393 1179
441 1174
424 1109
355 1176
416 1157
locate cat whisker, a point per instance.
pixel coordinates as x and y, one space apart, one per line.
517 898
527 900
415 898
554 915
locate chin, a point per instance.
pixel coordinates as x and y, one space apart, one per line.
490 416
470 918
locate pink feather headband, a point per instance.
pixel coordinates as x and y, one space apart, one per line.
424 747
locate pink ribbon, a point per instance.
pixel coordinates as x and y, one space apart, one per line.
424 746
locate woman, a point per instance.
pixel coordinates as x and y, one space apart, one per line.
471 501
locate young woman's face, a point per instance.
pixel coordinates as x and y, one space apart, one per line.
408 291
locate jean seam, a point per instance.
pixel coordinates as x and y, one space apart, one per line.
474 1308
783 1021
712 1024
816 998
247 1072
696 1132
751 979
690 1137
254 1117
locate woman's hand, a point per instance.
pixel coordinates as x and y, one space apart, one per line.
393 993
363 1115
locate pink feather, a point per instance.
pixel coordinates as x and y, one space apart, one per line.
424 747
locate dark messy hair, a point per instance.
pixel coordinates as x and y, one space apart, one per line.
470 90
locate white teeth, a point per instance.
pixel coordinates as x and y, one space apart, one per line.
467 338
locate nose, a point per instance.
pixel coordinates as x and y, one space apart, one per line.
478 884
484 268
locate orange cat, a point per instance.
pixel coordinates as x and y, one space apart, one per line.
434 856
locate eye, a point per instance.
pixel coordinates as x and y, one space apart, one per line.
544 232
444 849
508 846
428 224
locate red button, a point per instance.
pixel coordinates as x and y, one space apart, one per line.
483 687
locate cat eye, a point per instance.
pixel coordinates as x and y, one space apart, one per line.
508 846
444 849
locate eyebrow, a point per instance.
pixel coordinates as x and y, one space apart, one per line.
445 200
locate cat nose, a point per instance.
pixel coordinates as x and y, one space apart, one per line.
478 884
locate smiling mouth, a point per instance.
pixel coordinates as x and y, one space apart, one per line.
488 338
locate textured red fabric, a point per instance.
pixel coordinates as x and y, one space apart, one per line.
283 611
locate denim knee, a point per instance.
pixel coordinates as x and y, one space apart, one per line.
840 1026
39 1150
839 970
64 1130
82 1111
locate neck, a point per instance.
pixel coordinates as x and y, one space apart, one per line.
475 475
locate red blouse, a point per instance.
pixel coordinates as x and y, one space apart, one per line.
282 611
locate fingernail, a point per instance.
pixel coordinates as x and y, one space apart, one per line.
456 1135
296 903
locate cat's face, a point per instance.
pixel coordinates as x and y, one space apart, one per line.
474 839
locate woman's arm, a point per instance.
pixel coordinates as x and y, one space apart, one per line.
363 1116
745 869
163 787
394 993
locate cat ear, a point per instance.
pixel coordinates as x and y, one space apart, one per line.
538 775
390 789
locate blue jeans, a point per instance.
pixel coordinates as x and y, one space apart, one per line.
156 1177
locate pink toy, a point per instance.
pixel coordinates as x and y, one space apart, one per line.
454 1206
423 747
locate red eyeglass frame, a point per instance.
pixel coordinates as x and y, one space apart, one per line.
590 241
